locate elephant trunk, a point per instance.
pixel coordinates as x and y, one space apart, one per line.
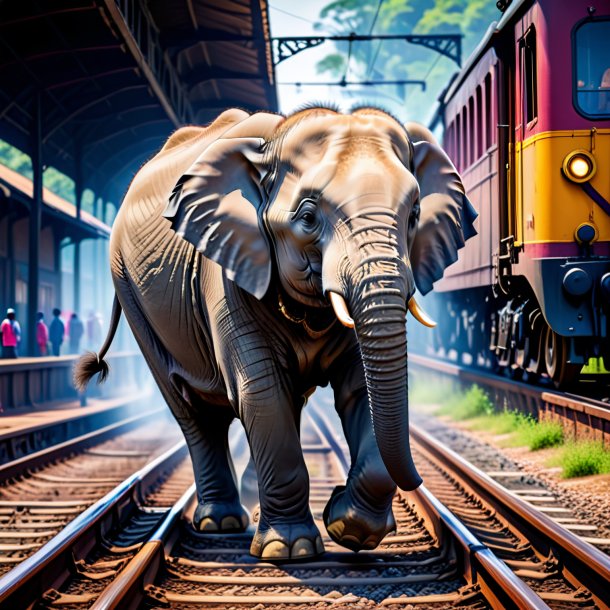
379 310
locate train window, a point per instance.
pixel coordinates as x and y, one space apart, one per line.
528 63
488 114
479 122
591 74
464 139
458 141
472 131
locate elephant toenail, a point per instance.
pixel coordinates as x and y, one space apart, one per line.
319 545
336 529
276 550
229 523
208 525
302 548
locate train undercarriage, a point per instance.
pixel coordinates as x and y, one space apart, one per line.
510 335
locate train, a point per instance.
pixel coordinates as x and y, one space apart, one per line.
527 124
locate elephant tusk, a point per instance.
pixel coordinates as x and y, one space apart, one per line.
419 314
340 309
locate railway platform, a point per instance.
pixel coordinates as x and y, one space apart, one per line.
41 408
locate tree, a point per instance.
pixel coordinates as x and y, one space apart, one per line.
397 60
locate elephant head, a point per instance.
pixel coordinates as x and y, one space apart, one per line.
351 210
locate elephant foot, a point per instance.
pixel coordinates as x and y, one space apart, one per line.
287 541
354 526
220 517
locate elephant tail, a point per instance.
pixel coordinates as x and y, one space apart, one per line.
90 363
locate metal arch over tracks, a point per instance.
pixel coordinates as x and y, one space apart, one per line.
449 45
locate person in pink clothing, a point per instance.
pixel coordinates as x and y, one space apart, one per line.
42 334
11 334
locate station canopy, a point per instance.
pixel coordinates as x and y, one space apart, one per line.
111 79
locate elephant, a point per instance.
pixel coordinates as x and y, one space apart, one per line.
262 256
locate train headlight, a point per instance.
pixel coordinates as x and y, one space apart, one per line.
579 166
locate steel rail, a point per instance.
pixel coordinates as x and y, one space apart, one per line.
499 585
497 581
127 590
54 561
587 564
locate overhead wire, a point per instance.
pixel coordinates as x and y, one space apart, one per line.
281 10
374 60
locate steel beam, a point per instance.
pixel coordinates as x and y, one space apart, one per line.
133 45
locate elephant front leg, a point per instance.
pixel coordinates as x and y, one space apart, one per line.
286 529
359 515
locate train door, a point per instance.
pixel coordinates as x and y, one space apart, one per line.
526 116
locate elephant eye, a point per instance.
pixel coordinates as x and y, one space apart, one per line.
308 217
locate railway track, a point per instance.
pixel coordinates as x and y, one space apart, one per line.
432 561
561 568
42 493
461 541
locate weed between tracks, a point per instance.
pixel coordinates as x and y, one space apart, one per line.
476 411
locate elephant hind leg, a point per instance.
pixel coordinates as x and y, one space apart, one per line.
205 428
219 507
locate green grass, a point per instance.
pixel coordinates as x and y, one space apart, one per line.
583 459
577 459
473 403
541 435
504 422
475 407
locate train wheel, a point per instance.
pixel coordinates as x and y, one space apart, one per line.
555 355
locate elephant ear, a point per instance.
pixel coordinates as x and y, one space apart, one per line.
215 206
447 216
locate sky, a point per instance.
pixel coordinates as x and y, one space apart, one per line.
292 18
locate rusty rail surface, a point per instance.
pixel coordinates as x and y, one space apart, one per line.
55 561
581 561
580 416
482 571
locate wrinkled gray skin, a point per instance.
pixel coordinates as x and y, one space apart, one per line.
228 220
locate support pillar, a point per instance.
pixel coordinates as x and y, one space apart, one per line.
76 278
78 195
11 262
34 226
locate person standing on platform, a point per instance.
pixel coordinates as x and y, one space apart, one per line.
94 330
42 334
76 333
56 332
11 335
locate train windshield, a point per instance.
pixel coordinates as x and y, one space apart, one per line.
592 68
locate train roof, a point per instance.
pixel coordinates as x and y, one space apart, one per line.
494 28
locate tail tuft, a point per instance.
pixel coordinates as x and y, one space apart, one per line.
88 365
